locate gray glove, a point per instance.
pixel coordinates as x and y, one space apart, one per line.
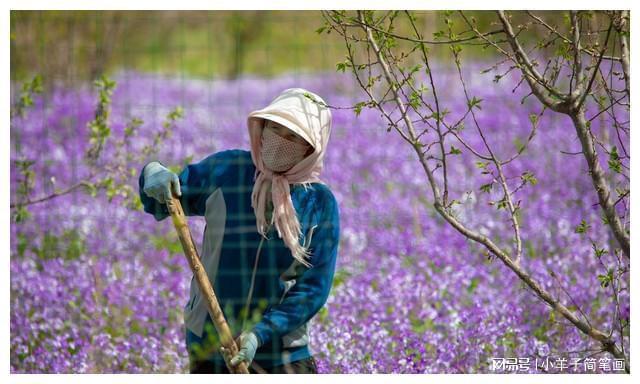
248 344
159 182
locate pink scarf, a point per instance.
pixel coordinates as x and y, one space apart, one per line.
310 120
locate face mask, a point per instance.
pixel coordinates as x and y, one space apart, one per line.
280 154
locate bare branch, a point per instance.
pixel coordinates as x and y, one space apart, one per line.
578 70
621 22
582 93
83 183
538 84
567 40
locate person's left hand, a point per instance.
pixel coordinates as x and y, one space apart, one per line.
247 344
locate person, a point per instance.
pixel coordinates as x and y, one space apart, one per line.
271 237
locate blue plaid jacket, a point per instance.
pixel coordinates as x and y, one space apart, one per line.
286 293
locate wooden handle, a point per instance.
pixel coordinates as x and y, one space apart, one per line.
190 251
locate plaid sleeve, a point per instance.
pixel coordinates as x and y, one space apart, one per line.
312 289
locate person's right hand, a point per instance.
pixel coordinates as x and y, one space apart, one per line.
159 182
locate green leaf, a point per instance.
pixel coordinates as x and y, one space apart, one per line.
439 34
21 214
582 227
473 285
599 252
528 177
605 280
482 164
176 114
93 191
474 102
455 151
415 68
36 84
340 277
614 160
415 100
486 187
358 107
342 66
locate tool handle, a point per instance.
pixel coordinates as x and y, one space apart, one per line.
190 251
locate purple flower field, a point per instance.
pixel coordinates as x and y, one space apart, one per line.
97 287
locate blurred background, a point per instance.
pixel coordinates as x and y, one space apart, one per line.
75 46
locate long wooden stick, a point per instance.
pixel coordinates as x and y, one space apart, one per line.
190 251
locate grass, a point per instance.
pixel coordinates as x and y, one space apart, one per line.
81 45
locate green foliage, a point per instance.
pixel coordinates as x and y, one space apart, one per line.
530 248
25 187
170 242
29 89
323 314
474 102
583 227
420 326
20 214
198 43
540 332
340 277
114 176
68 246
483 166
415 100
169 123
486 187
473 285
24 166
502 204
343 65
614 160
607 279
173 116
519 144
528 177
358 107
599 252
23 243
132 126
510 342
99 130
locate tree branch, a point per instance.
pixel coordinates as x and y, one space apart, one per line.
538 85
83 183
599 182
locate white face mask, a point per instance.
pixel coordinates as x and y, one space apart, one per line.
280 154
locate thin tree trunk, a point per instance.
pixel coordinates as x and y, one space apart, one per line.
599 181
